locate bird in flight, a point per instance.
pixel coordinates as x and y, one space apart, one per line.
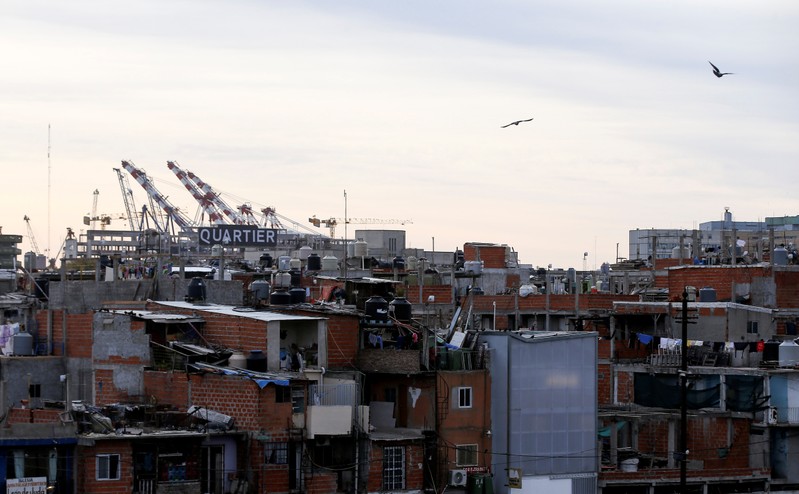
517 122
716 70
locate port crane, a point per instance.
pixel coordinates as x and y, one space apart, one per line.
210 194
209 206
173 213
34 245
127 197
331 223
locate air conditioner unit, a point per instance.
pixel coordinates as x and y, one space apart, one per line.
773 415
457 477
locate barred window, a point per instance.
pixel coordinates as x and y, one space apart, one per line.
466 455
276 453
393 467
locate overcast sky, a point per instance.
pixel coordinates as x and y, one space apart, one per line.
289 104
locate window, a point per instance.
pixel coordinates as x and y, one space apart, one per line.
466 455
751 327
276 453
107 467
282 394
465 397
393 468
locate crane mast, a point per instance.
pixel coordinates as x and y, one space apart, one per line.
127 198
172 212
209 206
34 245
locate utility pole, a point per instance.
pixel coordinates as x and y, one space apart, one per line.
683 453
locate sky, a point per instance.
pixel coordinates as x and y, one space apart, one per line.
394 111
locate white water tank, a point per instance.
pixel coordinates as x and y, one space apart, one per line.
295 263
329 263
304 252
361 248
788 353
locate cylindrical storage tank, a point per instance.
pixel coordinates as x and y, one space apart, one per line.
771 351
789 354
265 261
402 309
216 250
707 294
280 297
304 252
473 267
295 276
398 263
23 343
284 263
256 361
260 289
282 280
691 291
376 308
237 360
295 263
196 289
329 263
361 249
297 295
780 257
677 253
314 262
412 263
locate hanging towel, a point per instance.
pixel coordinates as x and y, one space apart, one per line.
645 338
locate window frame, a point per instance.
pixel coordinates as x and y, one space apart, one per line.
107 468
393 468
465 396
466 455
281 451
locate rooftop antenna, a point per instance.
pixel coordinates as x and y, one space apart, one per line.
47 250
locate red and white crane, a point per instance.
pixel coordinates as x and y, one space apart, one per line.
174 213
211 195
208 205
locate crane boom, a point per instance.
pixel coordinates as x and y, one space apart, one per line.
34 245
127 197
172 212
332 222
211 195
209 206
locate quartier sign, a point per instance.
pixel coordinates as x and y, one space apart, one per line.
238 236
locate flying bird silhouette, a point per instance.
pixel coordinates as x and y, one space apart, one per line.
716 70
517 122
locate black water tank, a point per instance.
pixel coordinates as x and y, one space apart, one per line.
280 297
314 262
297 295
42 288
376 308
256 361
398 263
296 277
196 290
402 309
265 261
771 351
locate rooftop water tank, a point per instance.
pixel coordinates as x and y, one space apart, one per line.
297 295
314 262
329 263
707 294
280 297
473 267
771 351
23 343
282 280
376 308
789 354
295 263
402 309
196 290
296 277
780 257
361 249
216 250
256 361
265 261
412 263
284 263
304 252
237 360
260 289
398 263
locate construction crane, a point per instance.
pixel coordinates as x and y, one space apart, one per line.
127 198
173 213
34 245
210 194
207 204
331 223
